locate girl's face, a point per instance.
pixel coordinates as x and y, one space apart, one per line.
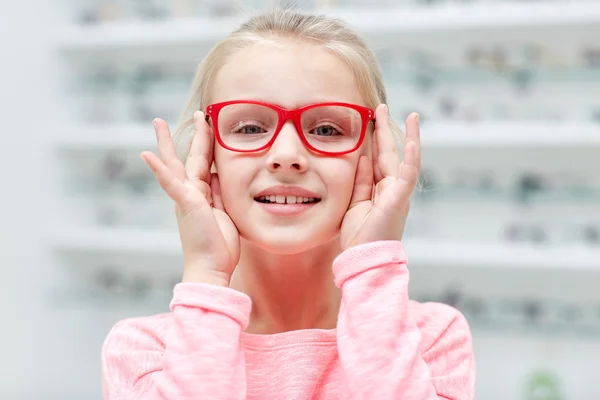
288 75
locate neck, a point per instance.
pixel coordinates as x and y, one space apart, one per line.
289 292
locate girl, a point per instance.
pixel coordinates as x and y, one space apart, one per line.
295 280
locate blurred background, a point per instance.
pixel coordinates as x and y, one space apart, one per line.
506 226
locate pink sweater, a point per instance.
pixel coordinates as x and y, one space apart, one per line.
385 346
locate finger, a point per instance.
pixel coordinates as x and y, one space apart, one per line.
363 182
375 154
408 171
387 157
174 188
215 187
166 149
200 155
413 135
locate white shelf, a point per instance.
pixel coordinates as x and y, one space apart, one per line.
480 255
106 136
141 33
400 20
107 240
434 135
453 135
420 252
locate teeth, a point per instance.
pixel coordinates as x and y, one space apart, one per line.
280 199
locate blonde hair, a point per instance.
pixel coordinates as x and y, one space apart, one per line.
330 33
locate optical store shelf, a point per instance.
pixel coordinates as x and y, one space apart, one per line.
420 251
371 21
439 134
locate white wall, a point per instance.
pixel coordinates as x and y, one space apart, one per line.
30 340
20 176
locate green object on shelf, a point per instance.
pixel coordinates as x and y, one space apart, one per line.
543 385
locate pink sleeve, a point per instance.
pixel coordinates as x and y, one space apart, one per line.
196 354
386 351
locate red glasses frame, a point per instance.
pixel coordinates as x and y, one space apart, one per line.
284 115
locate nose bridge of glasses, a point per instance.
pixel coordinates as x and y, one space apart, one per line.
293 116
287 118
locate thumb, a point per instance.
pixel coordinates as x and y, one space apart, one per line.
363 181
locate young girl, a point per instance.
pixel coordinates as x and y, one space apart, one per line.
295 279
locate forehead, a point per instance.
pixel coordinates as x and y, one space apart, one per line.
287 73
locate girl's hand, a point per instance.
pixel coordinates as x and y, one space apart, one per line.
209 239
381 214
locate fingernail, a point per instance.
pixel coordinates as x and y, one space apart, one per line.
155 122
417 116
385 107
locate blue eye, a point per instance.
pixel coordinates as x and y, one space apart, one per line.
250 130
326 130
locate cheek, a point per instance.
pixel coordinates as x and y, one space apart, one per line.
232 179
340 180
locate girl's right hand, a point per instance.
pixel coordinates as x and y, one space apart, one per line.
209 239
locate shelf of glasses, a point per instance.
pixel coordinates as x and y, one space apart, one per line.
367 21
156 300
570 196
421 252
558 332
434 135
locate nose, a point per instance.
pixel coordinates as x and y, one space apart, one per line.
287 152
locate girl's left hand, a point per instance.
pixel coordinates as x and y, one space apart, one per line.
381 214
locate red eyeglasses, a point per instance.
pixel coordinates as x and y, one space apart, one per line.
327 128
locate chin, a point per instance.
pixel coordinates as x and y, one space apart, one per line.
291 240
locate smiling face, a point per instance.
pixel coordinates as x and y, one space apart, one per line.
315 188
